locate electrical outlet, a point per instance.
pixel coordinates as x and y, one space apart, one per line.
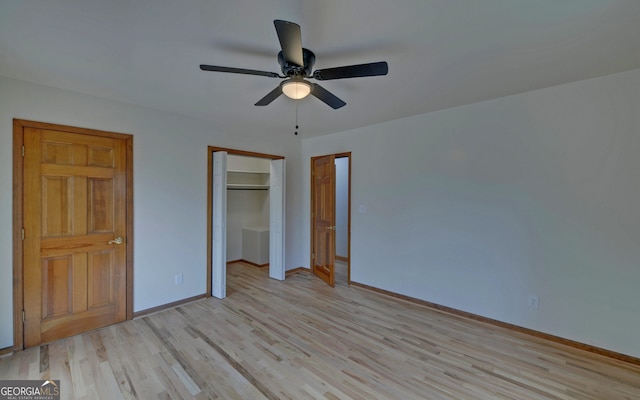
534 302
178 279
362 209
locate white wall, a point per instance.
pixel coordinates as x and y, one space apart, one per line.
245 209
480 206
247 164
170 181
342 207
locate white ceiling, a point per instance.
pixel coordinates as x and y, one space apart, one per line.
441 53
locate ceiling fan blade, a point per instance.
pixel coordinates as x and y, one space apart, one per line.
239 71
327 97
290 41
274 94
352 71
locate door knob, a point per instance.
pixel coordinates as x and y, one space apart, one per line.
117 240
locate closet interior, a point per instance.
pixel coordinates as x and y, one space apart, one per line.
248 209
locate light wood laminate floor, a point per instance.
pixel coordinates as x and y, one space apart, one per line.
301 339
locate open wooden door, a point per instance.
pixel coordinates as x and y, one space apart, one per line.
323 219
75 233
219 226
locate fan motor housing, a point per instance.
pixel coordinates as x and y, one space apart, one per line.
308 59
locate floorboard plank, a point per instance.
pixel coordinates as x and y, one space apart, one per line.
301 339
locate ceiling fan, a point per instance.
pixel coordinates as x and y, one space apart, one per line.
296 63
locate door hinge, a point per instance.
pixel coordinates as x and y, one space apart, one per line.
22 233
24 316
313 256
22 150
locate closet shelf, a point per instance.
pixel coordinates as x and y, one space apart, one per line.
242 171
247 180
246 186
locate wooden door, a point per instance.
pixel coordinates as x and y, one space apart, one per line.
323 195
75 257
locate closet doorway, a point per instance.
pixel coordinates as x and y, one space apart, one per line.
343 220
254 181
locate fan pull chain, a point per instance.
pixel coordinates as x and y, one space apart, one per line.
296 131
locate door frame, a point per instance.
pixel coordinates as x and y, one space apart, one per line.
18 216
236 152
347 155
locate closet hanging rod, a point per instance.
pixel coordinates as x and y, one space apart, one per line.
245 188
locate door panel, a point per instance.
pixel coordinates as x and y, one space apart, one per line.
57 273
100 269
57 215
219 224
74 204
100 203
323 218
276 219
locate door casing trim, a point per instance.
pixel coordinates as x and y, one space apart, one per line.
18 215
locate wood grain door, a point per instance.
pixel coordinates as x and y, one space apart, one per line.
323 195
74 262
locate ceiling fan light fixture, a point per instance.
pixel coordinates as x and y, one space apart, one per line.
296 89
296 64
